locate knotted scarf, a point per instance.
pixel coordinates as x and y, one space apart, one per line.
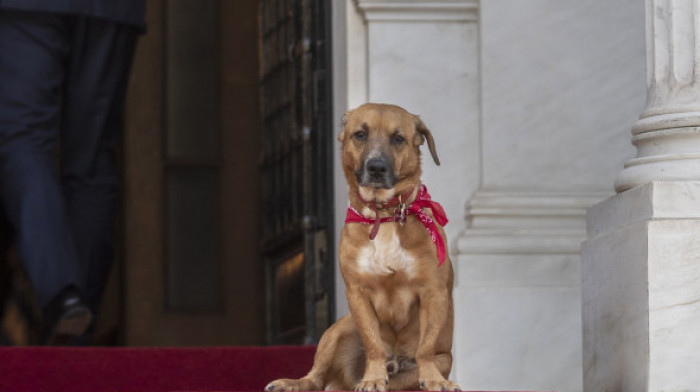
422 200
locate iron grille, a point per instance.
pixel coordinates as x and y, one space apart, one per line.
296 168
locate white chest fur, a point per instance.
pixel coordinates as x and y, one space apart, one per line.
384 255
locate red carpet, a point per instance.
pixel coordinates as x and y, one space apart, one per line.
39 369
149 369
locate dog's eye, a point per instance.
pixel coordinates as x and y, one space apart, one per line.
397 139
360 135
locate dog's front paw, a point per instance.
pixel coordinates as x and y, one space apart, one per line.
439 385
372 385
289 385
283 385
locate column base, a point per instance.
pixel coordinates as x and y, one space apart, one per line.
640 292
517 295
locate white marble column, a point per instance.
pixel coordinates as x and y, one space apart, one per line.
561 82
667 136
641 261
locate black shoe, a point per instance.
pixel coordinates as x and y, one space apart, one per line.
65 317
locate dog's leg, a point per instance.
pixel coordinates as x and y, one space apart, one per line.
432 318
375 377
337 355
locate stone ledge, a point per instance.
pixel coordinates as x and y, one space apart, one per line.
525 223
425 10
652 201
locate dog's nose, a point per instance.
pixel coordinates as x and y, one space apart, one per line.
377 167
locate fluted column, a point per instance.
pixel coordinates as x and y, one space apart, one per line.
667 135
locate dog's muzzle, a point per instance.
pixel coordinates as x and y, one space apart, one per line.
376 173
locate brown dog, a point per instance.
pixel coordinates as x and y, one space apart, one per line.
398 335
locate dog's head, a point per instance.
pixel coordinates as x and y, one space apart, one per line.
381 150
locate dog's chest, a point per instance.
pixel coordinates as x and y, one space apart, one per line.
385 255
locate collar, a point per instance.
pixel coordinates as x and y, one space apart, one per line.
401 210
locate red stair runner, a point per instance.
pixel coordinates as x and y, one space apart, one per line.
149 369
42 369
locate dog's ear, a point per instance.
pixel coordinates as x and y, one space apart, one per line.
343 123
424 132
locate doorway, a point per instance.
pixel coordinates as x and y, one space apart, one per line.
227 224
191 267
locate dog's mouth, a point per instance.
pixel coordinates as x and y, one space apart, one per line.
379 194
367 180
376 190
375 184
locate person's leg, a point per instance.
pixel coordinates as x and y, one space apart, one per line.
98 68
33 48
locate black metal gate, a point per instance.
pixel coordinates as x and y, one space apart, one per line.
296 167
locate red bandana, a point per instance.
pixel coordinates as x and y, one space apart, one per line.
422 200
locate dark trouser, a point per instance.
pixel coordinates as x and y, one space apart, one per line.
62 78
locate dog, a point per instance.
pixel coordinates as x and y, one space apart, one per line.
393 258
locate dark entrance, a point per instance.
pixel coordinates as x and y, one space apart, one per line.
296 167
226 221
